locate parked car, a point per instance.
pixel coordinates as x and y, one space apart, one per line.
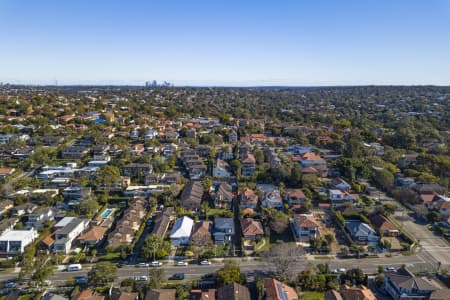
205 262
81 280
47 282
141 278
10 284
339 271
143 265
389 269
177 276
156 263
182 263
74 267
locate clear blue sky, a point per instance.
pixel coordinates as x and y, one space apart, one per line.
229 42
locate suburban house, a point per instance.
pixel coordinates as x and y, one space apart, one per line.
13 242
5 172
248 162
233 291
126 227
162 221
341 184
67 235
249 199
223 197
305 227
202 230
402 284
221 169
384 225
134 170
75 195
181 231
38 217
193 164
295 197
161 294
8 224
336 197
191 196
271 196
92 236
251 229
362 233
22 209
76 152
276 290
310 159
209 294
223 231
359 292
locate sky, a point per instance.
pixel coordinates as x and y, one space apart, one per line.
225 42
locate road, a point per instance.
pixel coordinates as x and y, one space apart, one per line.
433 249
368 265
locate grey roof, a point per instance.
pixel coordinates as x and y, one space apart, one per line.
233 291
223 223
50 296
71 226
406 280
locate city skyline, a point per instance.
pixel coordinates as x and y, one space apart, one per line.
256 43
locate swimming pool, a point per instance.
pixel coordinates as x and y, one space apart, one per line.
107 213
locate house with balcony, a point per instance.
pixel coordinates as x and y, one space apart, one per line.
271 196
248 162
295 197
221 169
305 227
403 284
248 199
362 233
223 231
223 197
64 239
37 218
13 242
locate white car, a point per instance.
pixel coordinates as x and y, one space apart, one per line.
205 262
141 278
156 263
182 264
143 265
47 282
341 270
389 269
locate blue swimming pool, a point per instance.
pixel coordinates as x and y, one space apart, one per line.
107 213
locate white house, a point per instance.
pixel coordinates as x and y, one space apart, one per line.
15 241
68 234
181 231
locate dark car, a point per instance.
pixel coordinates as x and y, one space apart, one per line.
177 276
81 280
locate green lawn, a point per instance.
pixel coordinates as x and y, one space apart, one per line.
312 296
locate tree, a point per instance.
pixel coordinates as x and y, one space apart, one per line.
433 216
200 242
89 207
295 179
282 257
102 273
229 273
389 209
356 275
155 247
156 277
107 176
278 221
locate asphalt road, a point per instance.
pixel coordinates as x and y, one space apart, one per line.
368 265
433 248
